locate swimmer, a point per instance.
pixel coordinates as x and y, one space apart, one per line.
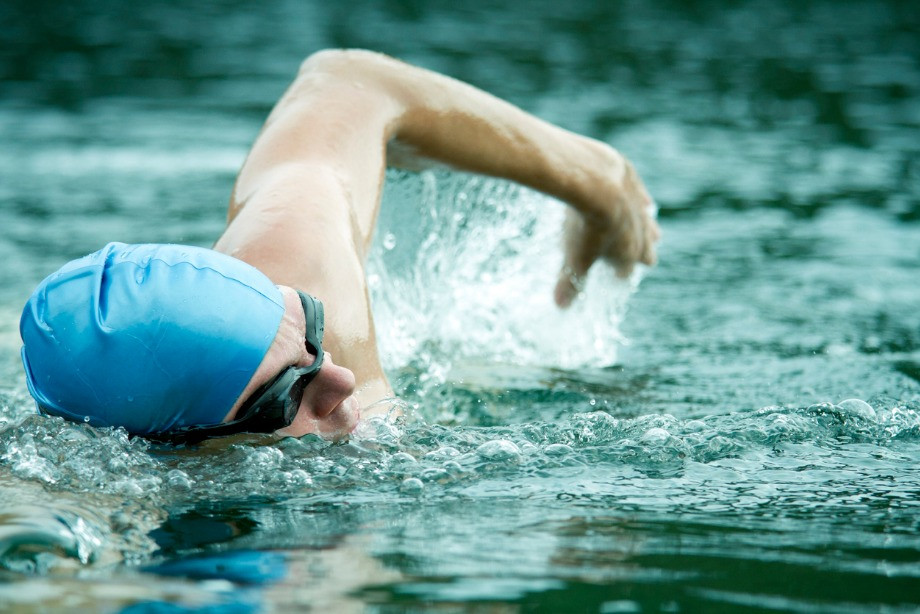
271 330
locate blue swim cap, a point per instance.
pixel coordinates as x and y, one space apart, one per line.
147 337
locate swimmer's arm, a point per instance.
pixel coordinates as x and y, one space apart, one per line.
446 120
442 119
345 107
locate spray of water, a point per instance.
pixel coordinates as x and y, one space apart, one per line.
462 270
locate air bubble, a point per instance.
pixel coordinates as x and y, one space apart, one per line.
443 452
498 450
655 436
412 486
179 480
435 474
402 458
389 241
453 467
857 408
528 448
694 426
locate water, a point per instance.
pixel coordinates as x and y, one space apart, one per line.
738 430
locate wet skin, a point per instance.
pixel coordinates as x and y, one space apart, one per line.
306 200
329 407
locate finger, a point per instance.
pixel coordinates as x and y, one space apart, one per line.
572 277
565 291
653 234
648 256
624 270
656 232
581 250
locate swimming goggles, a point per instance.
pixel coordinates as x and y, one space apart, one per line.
273 405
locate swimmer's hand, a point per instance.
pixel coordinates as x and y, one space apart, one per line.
618 228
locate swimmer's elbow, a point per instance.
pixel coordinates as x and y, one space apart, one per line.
323 61
381 79
342 62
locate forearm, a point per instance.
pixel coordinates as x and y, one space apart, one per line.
335 122
457 124
470 129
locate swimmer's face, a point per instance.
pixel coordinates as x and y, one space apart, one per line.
328 407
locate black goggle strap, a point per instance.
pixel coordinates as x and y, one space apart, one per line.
316 326
258 415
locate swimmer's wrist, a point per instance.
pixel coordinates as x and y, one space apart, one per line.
600 176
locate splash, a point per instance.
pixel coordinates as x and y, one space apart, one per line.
462 270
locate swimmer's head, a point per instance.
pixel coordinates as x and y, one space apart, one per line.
147 337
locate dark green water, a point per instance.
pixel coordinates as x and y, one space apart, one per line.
738 432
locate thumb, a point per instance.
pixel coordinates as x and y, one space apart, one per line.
570 283
566 289
571 280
